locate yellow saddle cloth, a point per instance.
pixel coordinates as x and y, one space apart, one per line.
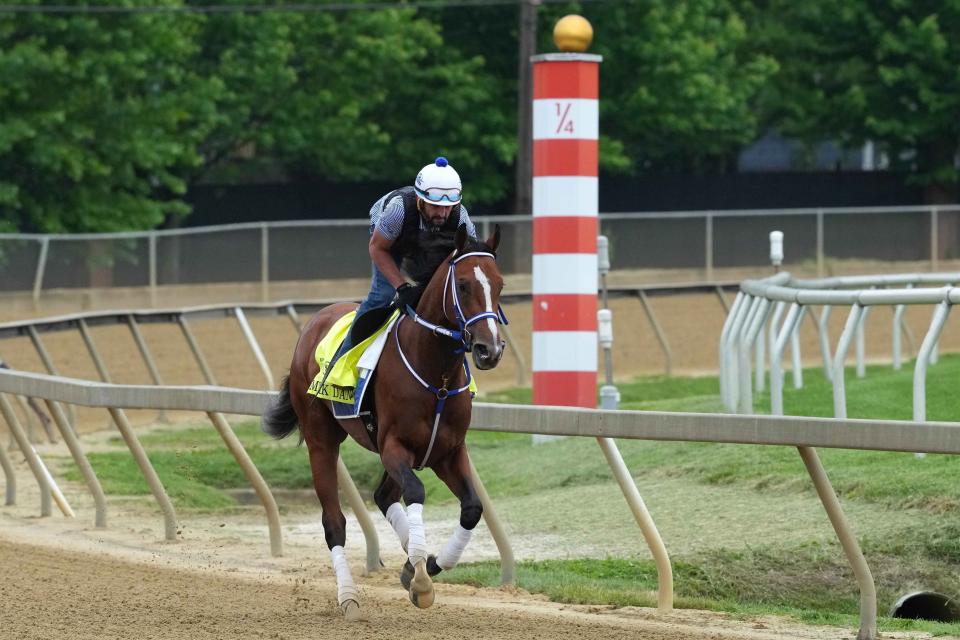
342 381
341 385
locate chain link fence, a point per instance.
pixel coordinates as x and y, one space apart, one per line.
704 245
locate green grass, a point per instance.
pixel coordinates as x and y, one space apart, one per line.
807 580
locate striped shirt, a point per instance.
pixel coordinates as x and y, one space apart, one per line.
389 220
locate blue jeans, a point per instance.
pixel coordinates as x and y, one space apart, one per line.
380 296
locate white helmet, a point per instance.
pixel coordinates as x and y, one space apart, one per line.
438 183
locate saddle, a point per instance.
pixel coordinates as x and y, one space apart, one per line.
347 381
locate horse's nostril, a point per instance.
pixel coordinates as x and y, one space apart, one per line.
481 351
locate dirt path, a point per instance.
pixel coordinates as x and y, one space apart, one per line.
55 590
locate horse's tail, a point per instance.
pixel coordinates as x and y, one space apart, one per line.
280 419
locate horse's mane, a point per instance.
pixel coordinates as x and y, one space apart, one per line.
432 249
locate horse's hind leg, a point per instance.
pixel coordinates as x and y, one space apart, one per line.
454 470
387 497
323 437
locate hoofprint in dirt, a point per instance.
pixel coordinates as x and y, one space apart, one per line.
70 580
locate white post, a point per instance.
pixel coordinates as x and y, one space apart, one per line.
839 391
825 341
776 357
940 314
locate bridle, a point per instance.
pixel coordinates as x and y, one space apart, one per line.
461 335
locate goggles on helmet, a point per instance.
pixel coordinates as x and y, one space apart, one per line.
439 196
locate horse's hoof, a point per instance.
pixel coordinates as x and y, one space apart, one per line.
421 587
351 611
406 573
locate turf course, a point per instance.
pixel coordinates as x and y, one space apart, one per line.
745 531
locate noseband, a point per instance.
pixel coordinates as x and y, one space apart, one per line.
461 335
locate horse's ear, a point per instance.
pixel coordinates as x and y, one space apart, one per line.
494 240
460 240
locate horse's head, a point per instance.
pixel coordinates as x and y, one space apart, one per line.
472 297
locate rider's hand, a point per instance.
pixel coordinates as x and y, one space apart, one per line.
407 294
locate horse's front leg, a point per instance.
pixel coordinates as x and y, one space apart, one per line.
387 497
454 470
398 462
323 445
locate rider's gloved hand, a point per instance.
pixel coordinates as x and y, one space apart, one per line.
407 294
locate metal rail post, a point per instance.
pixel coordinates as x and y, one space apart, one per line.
724 340
33 460
790 324
661 336
294 318
50 367
147 359
195 348
41 267
824 335
768 333
253 476
265 263
861 349
254 346
839 389
723 299
152 259
508 567
795 360
748 336
851 548
363 516
92 349
741 318
80 458
149 473
643 518
940 315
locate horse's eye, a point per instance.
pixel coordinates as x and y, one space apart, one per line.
463 287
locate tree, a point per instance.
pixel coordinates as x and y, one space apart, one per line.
99 114
678 84
858 70
354 95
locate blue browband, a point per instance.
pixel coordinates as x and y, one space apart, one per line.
460 335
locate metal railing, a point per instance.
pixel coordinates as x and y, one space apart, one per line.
759 307
801 432
265 254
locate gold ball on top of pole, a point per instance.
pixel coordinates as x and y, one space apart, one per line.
573 33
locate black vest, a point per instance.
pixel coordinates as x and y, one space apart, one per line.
406 242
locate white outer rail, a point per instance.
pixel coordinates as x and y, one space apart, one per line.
801 432
739 331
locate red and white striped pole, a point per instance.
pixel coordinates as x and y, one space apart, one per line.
565 129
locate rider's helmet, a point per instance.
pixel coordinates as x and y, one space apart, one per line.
438 183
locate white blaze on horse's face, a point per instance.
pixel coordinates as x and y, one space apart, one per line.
488 300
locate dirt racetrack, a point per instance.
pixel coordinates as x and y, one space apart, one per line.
63 580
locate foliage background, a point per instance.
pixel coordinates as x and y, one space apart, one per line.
107 119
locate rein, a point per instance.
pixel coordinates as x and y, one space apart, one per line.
461 335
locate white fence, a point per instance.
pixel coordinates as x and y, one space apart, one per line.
755 320
266 254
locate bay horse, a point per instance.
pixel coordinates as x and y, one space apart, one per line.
421 406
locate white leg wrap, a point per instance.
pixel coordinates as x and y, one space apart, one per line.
417 541
397 518
453 549
346 589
